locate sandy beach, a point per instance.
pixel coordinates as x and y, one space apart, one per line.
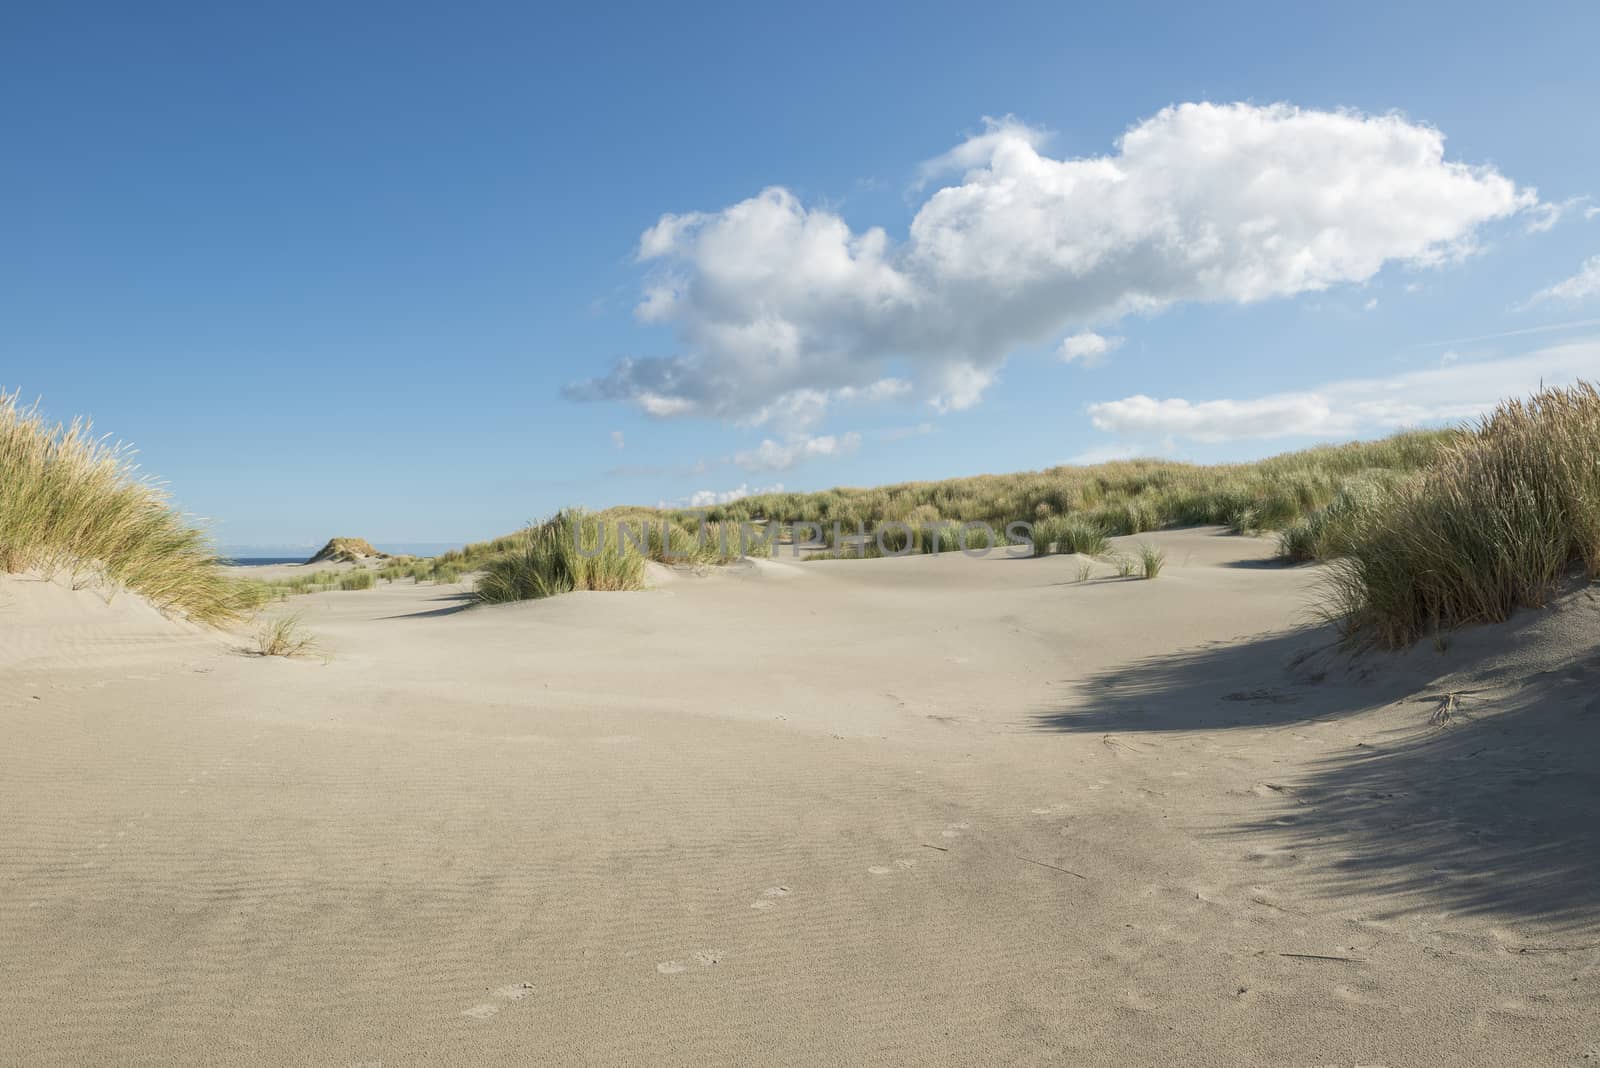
936 810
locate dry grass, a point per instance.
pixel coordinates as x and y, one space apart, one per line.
285 636
73 503
1497 523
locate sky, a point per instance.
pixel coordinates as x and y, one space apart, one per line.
423 273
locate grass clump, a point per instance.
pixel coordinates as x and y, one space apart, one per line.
1070 534
1328 532
1502 517
1151 560
357 580
546 560
285 636
73 503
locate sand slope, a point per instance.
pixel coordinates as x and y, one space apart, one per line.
931 811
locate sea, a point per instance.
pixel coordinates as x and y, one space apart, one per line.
252 556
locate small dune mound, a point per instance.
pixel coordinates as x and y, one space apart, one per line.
347 550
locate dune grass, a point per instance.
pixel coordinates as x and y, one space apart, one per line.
357 580
1151 560
1070 534
72 503
545 560
1121 498
285 636
1506 514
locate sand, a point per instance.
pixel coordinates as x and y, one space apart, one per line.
933 811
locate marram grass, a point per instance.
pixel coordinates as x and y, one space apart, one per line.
74 504
1497 523
544 561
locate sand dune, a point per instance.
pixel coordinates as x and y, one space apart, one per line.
925 811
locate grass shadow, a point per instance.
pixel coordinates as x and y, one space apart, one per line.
1496 812
1235 684
459 602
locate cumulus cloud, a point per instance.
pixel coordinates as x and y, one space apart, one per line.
1453 391
773 455
770 298
1087 348
617 439
1581 286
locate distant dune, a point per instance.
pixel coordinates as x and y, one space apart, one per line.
346 550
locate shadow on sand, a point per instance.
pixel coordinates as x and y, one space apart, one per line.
1495 812
453 603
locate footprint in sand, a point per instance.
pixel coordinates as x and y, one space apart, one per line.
767 896
514 992
510 992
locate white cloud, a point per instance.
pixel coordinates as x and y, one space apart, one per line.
617 439
798 410
1216 203
1454 391
1088 348
706 498
772 455
1581 286
1543 217
1101 454
1370 305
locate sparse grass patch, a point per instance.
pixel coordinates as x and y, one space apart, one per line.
1151 560
285 636
357 580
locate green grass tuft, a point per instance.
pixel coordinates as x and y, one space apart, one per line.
357 580
1151 560
546 561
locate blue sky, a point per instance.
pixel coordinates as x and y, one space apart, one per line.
402 272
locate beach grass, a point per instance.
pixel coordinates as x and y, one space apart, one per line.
1505 515
357 580
1151 560
285 636
75 504
563 554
